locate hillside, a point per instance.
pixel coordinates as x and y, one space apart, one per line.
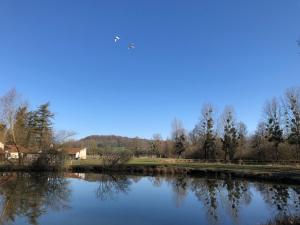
98 142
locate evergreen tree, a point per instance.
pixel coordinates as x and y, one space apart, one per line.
32 129
40 128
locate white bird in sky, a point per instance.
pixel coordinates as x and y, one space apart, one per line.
131 46
117 38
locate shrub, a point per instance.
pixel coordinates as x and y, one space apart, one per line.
115 157
49 160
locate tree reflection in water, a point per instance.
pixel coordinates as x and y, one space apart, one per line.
110 185
238 193
31 195
206 192
180 187
230 195
280 198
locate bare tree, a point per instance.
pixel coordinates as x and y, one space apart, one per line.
156 145
179 137
204 132
292 113
230 137
2 132
63 136
9 105
177 128
258 140
274 125
242 136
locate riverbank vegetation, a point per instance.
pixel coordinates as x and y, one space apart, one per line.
285 221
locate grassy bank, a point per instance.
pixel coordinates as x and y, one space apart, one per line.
174 163
152 166
279 173
285 221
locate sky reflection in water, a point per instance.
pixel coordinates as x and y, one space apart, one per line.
136 200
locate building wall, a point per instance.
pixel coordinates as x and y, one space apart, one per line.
14 155
82 153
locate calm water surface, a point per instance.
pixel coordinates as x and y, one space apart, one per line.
92 199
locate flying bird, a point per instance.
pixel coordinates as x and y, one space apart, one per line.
131 46
117 38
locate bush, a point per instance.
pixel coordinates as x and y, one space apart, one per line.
49 160
115 157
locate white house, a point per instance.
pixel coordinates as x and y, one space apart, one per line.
11 151
76 153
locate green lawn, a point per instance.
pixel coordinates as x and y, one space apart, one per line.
196 165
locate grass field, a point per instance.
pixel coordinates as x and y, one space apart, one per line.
195 165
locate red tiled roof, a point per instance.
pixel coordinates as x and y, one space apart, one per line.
72 151
13 148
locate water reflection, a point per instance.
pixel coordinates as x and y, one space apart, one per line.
229 196
282 199
206 192
110 185
31 195
226 201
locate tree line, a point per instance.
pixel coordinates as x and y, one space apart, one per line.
277 136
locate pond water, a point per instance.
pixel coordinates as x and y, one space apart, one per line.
90 199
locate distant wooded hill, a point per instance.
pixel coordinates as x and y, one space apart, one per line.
100 142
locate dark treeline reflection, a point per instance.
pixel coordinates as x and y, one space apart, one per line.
31 195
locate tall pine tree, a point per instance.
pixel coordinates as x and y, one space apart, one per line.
40 133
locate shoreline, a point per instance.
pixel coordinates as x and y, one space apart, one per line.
285 177
278 174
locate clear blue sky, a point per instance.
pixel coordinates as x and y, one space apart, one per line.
232 52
